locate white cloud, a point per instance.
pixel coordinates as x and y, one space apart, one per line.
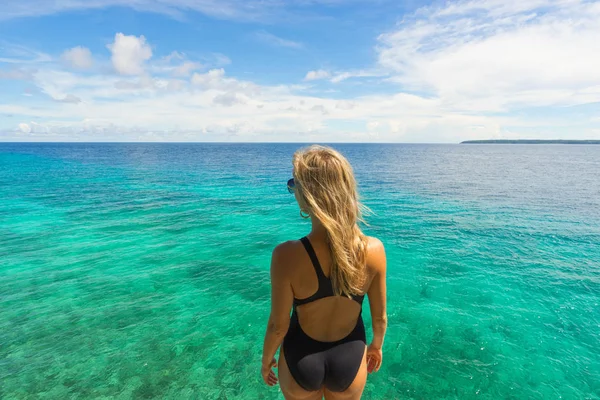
58 85
69 98
491 55
175 55
337 77
177 64
373 125
129 53
186 68
320 108
215 79
345 105
274 40
315 75
78 57
228 99
342 76
209 79
17 54
17 74
24 128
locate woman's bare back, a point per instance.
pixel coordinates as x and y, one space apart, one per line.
331 318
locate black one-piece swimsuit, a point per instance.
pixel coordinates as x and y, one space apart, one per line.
313 363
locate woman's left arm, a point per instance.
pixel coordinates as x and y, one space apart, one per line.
282 299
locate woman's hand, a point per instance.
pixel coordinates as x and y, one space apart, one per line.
374 358
268 374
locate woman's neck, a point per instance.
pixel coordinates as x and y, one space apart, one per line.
318 231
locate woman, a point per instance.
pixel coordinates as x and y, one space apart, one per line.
323 278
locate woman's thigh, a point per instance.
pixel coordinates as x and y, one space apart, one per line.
290 388
357 386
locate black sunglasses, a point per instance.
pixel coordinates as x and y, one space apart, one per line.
291 185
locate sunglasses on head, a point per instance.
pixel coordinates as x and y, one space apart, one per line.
291 185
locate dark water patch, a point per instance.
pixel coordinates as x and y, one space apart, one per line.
205 269
446 269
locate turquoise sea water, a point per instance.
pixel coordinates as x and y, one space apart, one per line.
141 270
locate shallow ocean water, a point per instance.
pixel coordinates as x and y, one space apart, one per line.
141 270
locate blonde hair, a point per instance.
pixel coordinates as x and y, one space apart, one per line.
325 181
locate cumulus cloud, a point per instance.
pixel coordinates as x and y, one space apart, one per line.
319 108
24 128
186 68
315 75
129 53
174 56
215 79
176 64
210 79
31 128
228 99
78 57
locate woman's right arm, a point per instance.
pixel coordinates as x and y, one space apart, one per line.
377 303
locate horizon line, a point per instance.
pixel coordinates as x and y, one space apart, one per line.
215 142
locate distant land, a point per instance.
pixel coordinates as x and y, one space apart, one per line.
530 141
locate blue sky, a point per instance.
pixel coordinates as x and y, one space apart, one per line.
298 70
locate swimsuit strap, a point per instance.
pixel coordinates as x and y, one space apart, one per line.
325 288
313 257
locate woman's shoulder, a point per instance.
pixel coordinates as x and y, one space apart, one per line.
287 252
286 248
284 258
374 244
375 253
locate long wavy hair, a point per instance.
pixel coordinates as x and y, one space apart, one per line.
326 182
